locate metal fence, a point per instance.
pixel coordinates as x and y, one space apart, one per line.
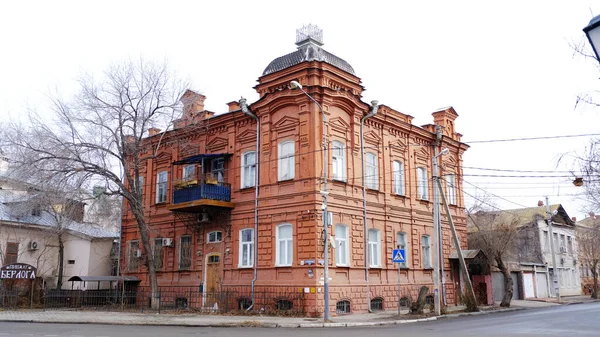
9 298
270 301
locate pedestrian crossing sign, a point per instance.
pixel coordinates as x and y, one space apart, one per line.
398 256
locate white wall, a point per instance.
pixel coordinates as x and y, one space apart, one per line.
569 278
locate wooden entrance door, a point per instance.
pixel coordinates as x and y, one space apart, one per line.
213 280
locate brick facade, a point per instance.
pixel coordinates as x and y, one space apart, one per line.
289 115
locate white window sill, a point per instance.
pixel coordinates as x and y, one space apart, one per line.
282 265
245 267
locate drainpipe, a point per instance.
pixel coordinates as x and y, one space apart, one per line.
374 107
246 110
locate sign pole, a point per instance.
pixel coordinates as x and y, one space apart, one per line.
399 296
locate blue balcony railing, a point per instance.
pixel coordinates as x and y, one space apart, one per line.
220 192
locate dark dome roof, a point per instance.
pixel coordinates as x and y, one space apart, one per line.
308 51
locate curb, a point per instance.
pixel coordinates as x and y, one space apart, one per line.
258 324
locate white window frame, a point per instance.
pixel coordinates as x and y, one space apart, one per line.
342 247
450 188
426 251
402 243
372 171
141 185
248 175
161 186
188 172
246 249
422 183
398 176
286 151
286 243
218 237
338 160
374 248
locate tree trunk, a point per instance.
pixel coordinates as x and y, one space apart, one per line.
508 283
595 276
61 262
149 258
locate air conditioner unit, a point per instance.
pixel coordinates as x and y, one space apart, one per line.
137 253
167 242
33 245
204 218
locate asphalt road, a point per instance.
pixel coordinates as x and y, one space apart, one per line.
568 320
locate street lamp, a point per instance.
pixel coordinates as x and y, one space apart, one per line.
437 240
592 31
296 85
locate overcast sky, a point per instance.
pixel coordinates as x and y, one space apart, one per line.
505 66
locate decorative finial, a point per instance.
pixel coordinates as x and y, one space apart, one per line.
309 32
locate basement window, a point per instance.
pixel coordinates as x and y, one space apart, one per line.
71 262
377 304
342 307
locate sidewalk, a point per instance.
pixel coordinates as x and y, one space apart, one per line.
203 320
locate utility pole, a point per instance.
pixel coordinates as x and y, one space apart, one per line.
436 228
555 277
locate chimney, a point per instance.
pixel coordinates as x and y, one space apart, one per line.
592 215
193 103
540 203
153 131
233 106
574 219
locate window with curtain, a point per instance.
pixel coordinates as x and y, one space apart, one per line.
248 169
426 251
342 249
161 186
450 188
372 171
398 177
338 161
285 249
374 248
401 243
246 257
422 183
286 161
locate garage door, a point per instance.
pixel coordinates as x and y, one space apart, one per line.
541 280
498 286
528 288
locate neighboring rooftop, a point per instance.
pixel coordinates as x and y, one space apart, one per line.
309 40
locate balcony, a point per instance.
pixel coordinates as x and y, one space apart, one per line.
203 184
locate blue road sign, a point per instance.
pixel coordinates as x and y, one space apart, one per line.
398 256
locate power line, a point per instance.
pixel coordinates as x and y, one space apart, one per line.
531 138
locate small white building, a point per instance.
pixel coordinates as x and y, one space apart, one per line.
31 235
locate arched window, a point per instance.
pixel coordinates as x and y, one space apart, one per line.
285 245
377 304
342 307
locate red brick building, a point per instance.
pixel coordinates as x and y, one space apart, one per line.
199 195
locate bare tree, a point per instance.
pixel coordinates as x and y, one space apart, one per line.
496 234
588 239
98 135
